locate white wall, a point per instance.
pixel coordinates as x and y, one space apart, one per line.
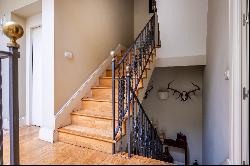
6 8
21 67
48 99
174 116
216 88
183 27
90 29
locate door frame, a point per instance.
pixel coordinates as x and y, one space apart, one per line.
32 22
245 84
37 122
235 51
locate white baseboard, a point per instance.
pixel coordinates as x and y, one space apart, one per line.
6 123
227 162
62 118
48 135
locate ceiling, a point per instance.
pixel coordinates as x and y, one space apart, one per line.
29 10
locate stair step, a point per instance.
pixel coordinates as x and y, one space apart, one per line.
103 93
107 81
102 115
91 119
97 105
109 73
96 139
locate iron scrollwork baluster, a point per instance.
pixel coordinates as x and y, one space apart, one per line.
144 138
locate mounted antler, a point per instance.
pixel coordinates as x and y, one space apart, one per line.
196 89
174 90
184 95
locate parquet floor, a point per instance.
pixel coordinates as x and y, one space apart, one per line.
36 152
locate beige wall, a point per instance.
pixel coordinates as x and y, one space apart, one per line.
90 29
141 15
174 116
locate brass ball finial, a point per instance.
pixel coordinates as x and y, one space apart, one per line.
13 31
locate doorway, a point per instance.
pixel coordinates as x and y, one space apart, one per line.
36 70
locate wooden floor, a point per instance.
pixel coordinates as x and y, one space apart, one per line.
34 151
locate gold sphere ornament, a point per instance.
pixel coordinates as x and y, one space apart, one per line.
13 31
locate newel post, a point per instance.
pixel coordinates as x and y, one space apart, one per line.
13 31
112 53
128 75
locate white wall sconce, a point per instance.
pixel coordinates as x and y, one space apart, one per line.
68 54
163 94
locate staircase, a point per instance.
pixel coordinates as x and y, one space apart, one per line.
92 125
112 119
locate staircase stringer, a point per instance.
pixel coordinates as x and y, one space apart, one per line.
63 118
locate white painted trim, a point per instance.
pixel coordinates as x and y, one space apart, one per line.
62 118
245 83
48 74
6 123
32 22
235 83
47 134
181 61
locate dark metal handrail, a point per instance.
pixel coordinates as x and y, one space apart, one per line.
134 43
128 72
137 58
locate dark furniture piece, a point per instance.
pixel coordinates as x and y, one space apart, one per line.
178 144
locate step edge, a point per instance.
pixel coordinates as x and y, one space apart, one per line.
98 100
81 134
102 87
93 116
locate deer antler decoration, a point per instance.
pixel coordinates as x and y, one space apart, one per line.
184 95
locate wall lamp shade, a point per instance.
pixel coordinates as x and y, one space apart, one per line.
163 95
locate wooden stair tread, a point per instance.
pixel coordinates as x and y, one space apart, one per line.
98 99
100 114
93 133
102 87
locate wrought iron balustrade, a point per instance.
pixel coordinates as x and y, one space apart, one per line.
128 72
146 141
